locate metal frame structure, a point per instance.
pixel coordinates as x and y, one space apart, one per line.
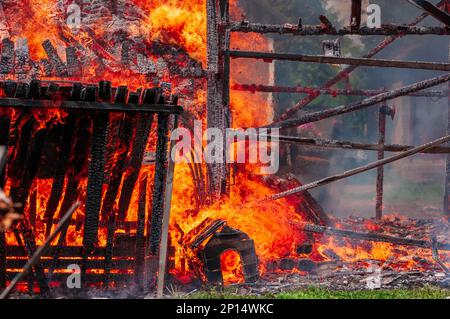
219 28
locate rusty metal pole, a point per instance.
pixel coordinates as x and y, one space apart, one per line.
446 210
380 170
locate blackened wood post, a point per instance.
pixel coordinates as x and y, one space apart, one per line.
355 19
78 161
215 109
143 127
5 125
2 260
159 185
380 170
166 217
96 171
140 236
62 165
225 36
125 135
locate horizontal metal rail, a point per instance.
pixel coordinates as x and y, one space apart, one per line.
270 56
324 143
334 92
311 30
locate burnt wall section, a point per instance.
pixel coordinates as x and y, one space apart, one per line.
74 122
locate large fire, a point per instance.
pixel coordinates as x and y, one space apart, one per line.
182 23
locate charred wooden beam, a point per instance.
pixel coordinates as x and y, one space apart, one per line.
7 58
74 68
62 166
123 143
140 234
206 233
100 125
343 109
78 162
324 143
159 185
5 125
143 126
269 56
313 30
371 236
91 106
314 91
32 158
54 59
32 208
358 170
344 74
2 260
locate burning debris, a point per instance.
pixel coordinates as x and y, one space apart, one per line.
87 111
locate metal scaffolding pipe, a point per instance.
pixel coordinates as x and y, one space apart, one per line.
314 91
269 56
355 171
312 30
343 109
325 143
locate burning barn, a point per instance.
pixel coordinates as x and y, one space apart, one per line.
92 94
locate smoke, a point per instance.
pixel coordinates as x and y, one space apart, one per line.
342 10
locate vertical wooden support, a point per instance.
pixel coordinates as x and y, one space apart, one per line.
2 261
96 172
380 170
140 233
166 218
216 113
159 185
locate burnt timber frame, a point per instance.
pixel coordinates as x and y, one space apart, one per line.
92 105
219 54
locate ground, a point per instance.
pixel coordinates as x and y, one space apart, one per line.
319 293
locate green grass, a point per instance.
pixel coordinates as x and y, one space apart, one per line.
318 293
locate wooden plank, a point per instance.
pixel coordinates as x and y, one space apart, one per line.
91 106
